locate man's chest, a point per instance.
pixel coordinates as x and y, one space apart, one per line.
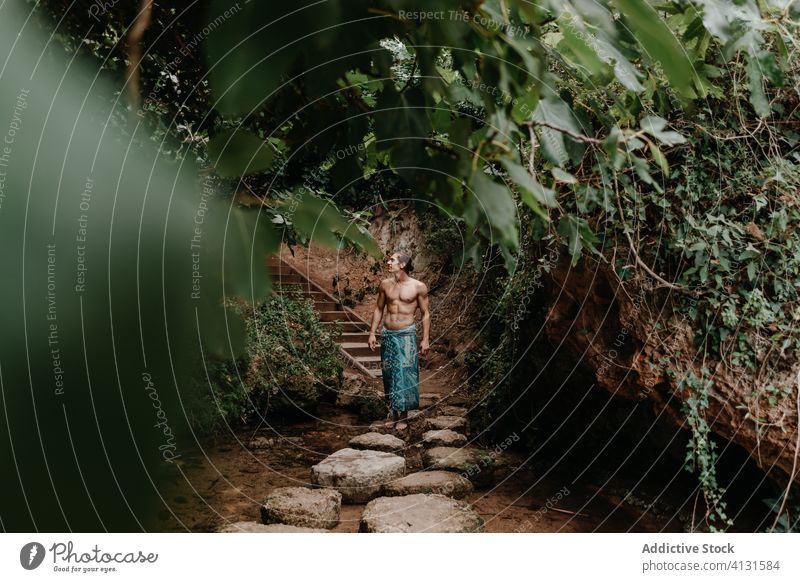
402 293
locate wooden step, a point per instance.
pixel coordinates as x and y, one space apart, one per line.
335 316
327 306
348 326
291 280
287 279
298 291
357 337
369 362
279 270
359 349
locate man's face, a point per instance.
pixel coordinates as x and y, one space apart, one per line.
392 263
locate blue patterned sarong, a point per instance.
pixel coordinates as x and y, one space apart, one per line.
399 366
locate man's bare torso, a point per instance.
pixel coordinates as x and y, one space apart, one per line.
402 300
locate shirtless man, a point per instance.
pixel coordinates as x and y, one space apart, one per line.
401 295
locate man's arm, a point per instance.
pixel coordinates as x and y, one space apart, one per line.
376 317
422 300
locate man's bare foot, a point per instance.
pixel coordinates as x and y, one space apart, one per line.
401 426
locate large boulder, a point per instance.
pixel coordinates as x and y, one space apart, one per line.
357 475
255 527
474 464
443 438
441 482
447 423
419 513
376 441
302 507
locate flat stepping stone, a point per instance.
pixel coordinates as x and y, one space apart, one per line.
441 482
302 507
430 513
427 399
454 411
357 475
255 527
446 422
380 427
376 441
261 443
443 438
475 464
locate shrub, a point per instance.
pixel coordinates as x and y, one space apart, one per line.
290 360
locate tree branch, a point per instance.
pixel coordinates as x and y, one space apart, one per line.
134 42
570 133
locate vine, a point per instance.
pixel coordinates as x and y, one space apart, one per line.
701 453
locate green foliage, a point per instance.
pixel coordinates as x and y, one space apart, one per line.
236 153
728 234
290 361
474 109
609 125
701 455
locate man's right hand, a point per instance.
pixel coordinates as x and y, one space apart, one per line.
372 342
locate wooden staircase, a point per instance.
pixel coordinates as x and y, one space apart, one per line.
355 331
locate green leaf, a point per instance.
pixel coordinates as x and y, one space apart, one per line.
524 106
319 219
660 43
642 169
750 252
531 187
556 113
655 125
659 157
611 147
237 152
493 203
758 99
249 239
576 42
578 234
562 176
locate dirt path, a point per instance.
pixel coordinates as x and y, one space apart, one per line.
228 481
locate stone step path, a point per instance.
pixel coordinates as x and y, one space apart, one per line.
447 423
474 464
432 499
355 331
378 442
302 507
255 527
357 474
419 513
373 468
443 438
441 482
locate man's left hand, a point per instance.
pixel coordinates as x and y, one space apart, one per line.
424 347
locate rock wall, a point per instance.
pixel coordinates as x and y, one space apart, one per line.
614 331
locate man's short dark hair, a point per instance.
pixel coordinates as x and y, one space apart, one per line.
406 259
